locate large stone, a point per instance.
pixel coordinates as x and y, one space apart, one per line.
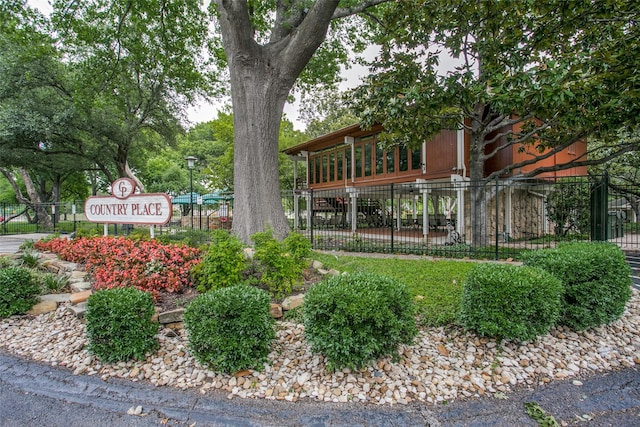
78 276
78 310
276 311
79 297
171 316
55 297
293 301
43 307
317 265
80 286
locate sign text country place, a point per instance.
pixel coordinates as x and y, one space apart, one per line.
135 209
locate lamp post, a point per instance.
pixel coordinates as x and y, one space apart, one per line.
191 161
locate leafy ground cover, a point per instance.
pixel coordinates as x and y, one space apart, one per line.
436 285
117 262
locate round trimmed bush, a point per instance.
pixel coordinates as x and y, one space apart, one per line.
18 291
231 328
355 318
509 301
119 325
596 280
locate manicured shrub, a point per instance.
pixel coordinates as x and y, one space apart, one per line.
18 291
119 325
355 318
509 301
595 277
280 264
230 328
222 265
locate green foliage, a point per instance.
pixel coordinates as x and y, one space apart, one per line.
539 415
6 261
596 280
28 245
222 265
509 301
55 283
119 325
568 206
18 291
355 318
28 259
193 238
280 264
436 285
231 328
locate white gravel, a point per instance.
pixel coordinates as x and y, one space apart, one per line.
444 363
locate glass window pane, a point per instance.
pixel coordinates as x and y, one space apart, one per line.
332 167
391 160
324 168
359 161
416 159
379 160
318 170
340 155
311 170
347 162
404 158
367 159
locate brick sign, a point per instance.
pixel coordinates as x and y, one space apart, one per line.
125 207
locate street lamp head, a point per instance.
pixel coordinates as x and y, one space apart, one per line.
191 161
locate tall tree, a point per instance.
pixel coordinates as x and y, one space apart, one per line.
539 73
137 66
267 46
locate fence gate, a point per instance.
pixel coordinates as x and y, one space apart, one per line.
599 209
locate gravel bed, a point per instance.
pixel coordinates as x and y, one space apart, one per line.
443 364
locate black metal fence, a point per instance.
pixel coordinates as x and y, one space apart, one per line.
497 219
68 217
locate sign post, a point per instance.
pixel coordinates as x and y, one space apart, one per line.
126 207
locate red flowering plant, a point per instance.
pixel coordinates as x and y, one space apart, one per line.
117 262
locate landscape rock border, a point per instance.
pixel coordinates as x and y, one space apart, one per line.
444 363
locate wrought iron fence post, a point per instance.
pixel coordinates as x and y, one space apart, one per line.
312 217
497 213
391 222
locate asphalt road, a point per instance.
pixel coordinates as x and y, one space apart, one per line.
33 394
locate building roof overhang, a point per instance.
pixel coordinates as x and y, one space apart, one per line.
331 139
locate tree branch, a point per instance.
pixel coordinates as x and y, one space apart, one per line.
358 8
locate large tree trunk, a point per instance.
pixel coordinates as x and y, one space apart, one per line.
258 103
36 203
478 193
261 78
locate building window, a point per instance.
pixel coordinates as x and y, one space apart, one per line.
359 161
391 161
367 159
332 167
317 180
416 159
404 158
347 162
311 176
324 168
379 160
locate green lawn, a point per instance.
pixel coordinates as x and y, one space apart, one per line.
436 285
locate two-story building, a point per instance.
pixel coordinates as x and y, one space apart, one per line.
353 182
